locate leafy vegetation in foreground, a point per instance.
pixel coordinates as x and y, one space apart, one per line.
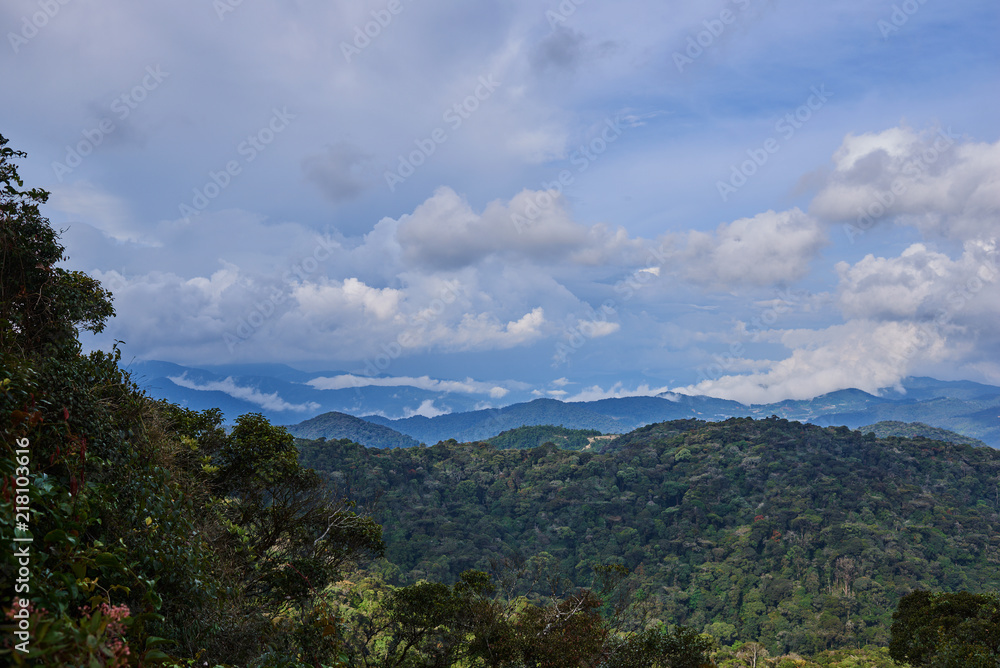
949 630
154 533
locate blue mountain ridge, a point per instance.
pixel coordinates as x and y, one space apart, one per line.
283 395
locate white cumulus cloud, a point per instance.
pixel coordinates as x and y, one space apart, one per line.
768 249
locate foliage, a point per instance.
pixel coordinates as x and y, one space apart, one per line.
960 630
918 429
152 531
657 648
40 304
527 437
481 620
752 655
799 537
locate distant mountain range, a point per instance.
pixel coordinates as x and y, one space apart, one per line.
413 407
975 418
285 395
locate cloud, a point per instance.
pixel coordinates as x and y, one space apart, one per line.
921 284
468 386
426 409
271 402
767 249
445 233
332 299
336 172
84 201
562 49
539 144
861 354
905 315
616 391
932 180
484 330
595 329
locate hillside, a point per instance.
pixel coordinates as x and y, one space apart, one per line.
340 425
799 536
483 424
975 418
523 438
915 429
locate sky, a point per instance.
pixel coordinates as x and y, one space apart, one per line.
749 199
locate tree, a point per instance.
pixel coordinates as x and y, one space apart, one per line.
752 653
560 627
40 304
680 648
151 527
947 630
296 535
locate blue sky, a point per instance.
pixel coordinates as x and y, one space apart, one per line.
589 198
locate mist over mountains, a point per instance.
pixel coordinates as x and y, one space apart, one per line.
430 410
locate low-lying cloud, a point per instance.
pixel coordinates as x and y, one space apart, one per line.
271 402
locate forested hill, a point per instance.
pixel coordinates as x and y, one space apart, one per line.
563 438
912 429
483 424
341 425
799 536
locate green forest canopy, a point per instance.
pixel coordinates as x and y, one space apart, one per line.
801 537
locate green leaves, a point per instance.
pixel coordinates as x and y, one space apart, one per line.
678 648
941 630
41 305
756 518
